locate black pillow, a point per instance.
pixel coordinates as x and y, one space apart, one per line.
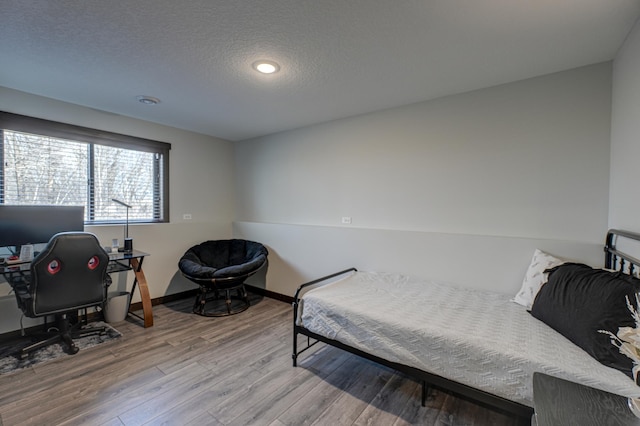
578 300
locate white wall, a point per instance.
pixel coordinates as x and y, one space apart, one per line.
624 208
201 183
527 160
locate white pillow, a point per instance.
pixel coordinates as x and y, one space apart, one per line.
535 277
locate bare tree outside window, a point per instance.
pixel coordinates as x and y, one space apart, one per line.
44 170
126 175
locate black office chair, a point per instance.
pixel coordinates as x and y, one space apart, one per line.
70 274
219 267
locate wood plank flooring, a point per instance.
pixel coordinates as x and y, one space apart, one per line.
192 370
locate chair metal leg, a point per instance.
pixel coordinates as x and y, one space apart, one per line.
228 301
201 300
222 296
24 352
65 334
71 346
245 295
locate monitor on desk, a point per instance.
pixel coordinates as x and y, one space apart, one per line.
20 225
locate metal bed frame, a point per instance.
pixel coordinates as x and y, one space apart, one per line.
614 259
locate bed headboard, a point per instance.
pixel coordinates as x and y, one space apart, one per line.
618 258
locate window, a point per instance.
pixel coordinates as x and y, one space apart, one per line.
45 162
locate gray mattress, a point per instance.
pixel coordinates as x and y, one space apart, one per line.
477 338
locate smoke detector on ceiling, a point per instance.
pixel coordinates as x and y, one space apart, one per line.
148 100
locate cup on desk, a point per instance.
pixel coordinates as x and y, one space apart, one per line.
114 245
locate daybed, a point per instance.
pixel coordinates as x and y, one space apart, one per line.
478 344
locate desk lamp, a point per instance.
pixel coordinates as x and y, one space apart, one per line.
128 242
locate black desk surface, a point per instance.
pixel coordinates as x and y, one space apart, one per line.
122 255
17 267
562 403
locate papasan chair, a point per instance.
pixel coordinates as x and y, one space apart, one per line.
220 267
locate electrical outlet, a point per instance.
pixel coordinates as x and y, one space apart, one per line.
186 216
346 220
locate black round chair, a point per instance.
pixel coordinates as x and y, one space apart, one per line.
220 267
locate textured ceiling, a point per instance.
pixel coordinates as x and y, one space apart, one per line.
338 58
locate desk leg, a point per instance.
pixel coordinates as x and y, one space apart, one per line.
144 292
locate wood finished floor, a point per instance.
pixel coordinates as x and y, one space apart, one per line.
188 370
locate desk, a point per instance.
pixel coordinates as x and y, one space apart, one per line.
560 402
118 262
121 261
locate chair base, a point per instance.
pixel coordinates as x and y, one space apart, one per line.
64 333
204 297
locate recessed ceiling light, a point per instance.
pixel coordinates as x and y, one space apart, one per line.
266 67
148 100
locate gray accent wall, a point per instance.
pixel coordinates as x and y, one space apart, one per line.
624 205
526 161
